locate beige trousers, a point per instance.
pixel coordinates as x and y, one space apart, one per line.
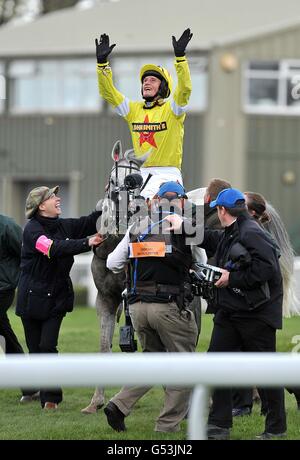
161 328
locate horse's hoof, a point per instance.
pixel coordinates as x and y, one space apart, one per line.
92 408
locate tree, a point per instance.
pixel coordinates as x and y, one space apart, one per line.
8 9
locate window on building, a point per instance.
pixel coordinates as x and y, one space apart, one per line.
272 87
126 72
54 85
2 87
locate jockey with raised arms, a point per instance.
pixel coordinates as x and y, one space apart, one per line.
156 124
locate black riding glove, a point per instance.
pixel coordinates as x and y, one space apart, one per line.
181 44
103 49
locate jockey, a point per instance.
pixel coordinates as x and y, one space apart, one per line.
156 125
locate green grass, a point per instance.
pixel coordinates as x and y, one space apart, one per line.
80 333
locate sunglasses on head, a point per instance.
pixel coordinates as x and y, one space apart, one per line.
171 198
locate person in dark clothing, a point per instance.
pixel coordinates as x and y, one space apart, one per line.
248 303
45 291
159 262
10 257
268 218
213 189
211 219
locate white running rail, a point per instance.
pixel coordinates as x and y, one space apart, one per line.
202 371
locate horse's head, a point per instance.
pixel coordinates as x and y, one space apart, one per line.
125 183
125 173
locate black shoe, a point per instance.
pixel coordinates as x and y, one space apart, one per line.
241 411
217 432
266 435
115 418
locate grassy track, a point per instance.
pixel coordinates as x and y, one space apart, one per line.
80 333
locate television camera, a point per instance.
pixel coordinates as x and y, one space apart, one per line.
203 278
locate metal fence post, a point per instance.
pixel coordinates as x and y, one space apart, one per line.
197 413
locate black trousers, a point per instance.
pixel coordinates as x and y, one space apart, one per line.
251 335
42 337
242 397
12 344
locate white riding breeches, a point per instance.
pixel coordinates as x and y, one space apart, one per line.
159 175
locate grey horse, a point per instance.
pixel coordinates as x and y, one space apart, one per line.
108 284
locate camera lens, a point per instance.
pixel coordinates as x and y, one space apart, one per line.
133 181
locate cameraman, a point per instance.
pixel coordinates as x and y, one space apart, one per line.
248 303
159 261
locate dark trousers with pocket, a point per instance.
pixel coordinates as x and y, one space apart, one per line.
42 337
11 343
243 397
231 334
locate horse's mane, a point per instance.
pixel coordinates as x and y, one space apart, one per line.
275 226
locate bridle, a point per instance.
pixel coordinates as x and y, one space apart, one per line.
116 186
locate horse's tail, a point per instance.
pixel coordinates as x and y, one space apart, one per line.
275 226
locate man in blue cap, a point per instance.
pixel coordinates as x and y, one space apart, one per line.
171 189
248 303
158 267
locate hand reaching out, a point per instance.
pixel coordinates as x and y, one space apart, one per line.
175 222
96 239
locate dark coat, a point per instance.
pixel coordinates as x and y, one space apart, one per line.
211 219
45 288
10 253
263 268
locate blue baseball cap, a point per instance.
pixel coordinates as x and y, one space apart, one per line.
228 198
172 186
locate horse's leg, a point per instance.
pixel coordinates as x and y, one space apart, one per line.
107 326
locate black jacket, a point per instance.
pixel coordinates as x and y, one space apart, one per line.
263 270
10 253
45 288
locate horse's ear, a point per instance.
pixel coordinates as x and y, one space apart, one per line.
117 153
131 156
